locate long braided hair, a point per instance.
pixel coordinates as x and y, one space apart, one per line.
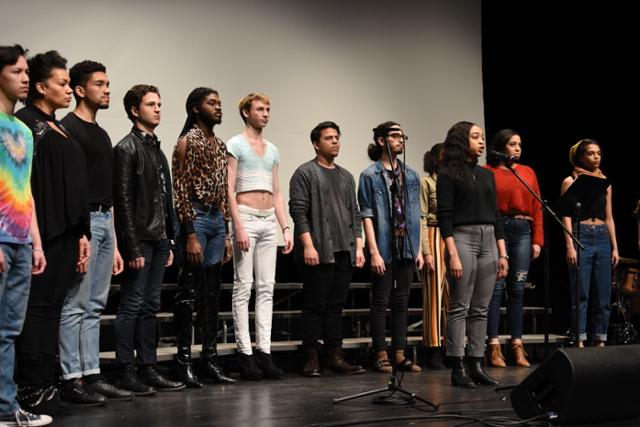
193 100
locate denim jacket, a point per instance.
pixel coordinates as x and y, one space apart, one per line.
375 203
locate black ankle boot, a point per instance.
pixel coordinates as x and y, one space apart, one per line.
269 369
459 376
477 373
434 359
249 369
213 368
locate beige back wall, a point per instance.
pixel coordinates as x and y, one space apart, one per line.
357 63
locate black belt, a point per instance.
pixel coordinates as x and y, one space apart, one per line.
202 207
97 207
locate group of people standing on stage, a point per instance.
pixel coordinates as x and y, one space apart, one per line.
74 211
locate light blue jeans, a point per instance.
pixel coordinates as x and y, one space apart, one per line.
79 344
14 295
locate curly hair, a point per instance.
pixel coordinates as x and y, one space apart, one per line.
431 160
134 96
456 149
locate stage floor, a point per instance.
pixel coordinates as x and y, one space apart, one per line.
298 401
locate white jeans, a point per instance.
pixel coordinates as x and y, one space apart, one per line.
259 262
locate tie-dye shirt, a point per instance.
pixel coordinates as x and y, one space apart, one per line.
16 203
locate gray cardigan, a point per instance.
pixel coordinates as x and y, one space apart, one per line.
309 205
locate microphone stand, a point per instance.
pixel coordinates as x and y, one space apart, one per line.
393 384
550 213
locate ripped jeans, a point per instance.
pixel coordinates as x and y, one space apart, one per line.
517 237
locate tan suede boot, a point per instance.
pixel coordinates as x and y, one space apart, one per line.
519 355
496 358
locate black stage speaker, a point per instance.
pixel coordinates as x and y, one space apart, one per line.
583 386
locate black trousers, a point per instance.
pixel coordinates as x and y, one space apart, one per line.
384 291
37 345
326 287
135 325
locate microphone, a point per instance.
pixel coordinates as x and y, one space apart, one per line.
504 157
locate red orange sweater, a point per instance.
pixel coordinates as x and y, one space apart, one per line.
515 199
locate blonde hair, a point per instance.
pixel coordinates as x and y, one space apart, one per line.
245 103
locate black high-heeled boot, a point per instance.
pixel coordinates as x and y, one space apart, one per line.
459 375
477 373
209 322
183 320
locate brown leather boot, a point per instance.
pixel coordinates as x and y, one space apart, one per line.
311 365
496 358
336 362
519 355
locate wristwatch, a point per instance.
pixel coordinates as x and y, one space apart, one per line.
504 256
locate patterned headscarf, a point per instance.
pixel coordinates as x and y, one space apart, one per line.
578 170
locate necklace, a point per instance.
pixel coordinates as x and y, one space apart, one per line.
473 174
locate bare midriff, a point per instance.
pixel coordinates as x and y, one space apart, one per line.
255 199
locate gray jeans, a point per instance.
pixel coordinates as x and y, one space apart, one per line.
470 295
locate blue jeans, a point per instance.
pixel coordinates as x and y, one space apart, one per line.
135 326
14 295
79 334
210 230
595 282
517 237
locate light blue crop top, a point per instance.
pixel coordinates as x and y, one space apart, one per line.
254 173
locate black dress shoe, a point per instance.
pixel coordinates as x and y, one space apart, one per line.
478 374
74 391
128 380
107 390
149 375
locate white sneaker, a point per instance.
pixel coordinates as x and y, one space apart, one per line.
22 418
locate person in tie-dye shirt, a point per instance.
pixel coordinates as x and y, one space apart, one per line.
20 246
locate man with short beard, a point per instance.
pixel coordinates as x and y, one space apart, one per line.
79 343
202 208
328 226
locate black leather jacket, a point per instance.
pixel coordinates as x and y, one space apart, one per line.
142 213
